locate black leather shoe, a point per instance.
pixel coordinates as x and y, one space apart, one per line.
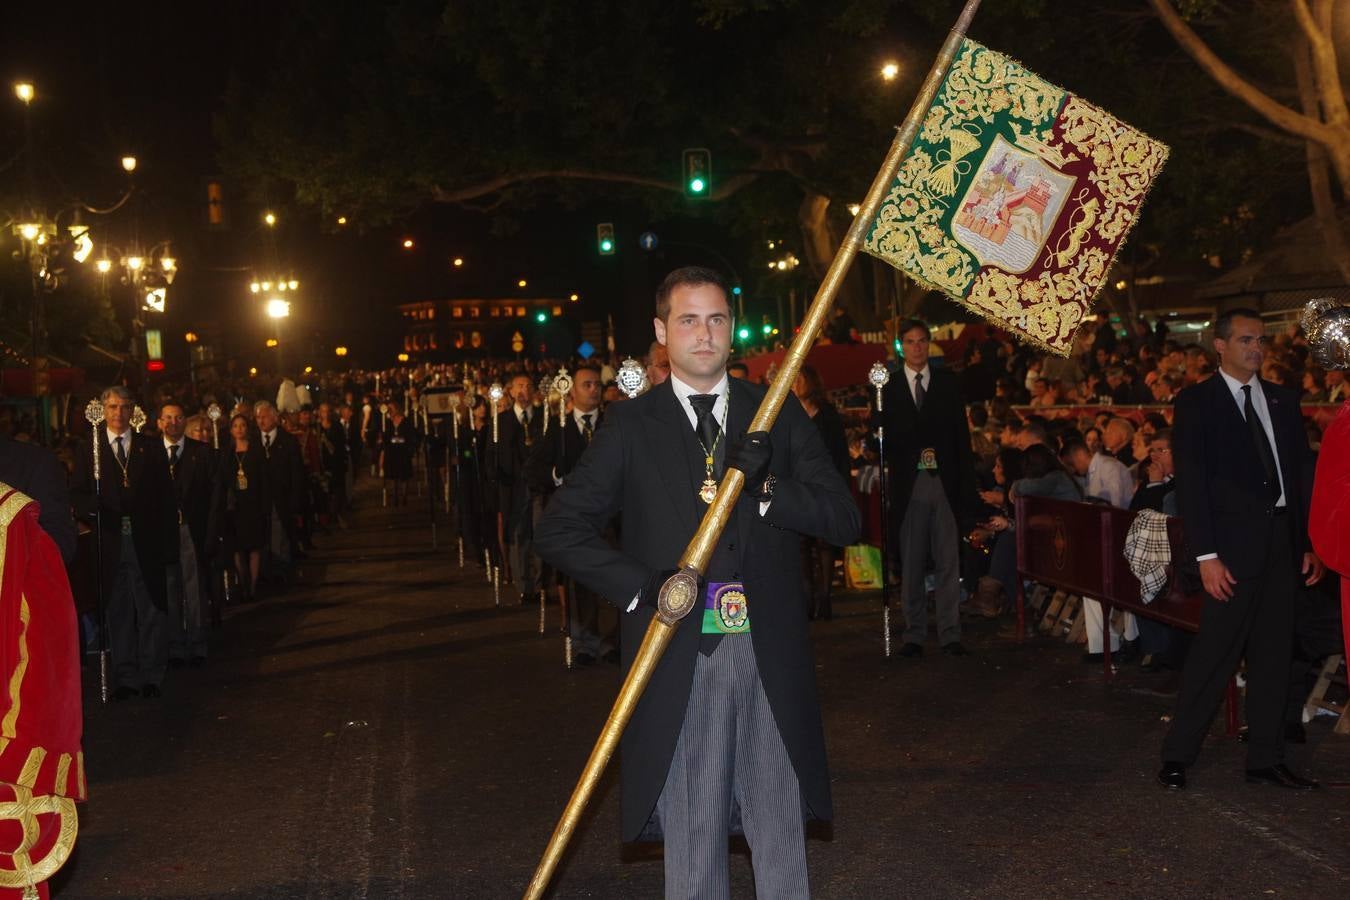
1172 776
1281 777
955 648
911 651
125 693
150 691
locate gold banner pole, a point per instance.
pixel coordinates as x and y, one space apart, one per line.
680 591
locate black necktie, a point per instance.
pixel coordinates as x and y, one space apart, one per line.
586 430
173 456
919 392
267 442
121 451
706 426
1262 442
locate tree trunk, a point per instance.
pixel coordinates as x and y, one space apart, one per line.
820 243
1319 170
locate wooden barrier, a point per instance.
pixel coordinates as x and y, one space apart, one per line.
1080 548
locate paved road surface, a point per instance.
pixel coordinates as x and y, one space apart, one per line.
384 731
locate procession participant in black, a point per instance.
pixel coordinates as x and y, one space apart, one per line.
286 487
396 453
197 495
138 522
932 484
551 461
729 727
334 458
351 431
520 427
246 485
1244 483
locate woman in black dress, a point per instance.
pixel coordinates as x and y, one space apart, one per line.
396 454
248 502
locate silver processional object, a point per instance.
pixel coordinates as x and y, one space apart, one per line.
138 418
1327 325
878 376
213 413
495 394
632 378
562 384
545 389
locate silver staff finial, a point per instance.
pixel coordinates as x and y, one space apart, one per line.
632 378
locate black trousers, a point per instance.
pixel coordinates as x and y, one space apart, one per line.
1257 622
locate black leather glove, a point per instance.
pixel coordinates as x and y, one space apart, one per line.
652 588
751 454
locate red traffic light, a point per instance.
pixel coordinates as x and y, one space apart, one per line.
154 365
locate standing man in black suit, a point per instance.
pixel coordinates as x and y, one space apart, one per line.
729 727
286 476
1244 483
138 535
551 461
518 429
197 494
932 481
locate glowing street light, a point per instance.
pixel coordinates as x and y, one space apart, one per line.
255 287
522 283
30 231
272 342
252 370
890 70
574 297
134 263
854 208
190 337
104 266
458 262
270 219
342 220
293 284
25 91
408 244
128 164
340 351
278 308
403 357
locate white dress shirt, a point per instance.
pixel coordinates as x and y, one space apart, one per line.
1108 479
683 392
126 441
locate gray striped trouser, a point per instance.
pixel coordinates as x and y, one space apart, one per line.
730 755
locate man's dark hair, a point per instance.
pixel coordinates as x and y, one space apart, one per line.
1035 428
1038 460
909 325
688 276
181 408
1223 325
1074 446
979 416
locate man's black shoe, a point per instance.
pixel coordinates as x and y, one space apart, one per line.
1128 652
1281 776
911 651
150 691
125 693
1172 776
955 648
583 659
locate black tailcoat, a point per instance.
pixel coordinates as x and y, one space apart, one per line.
941 425
148 500
645 462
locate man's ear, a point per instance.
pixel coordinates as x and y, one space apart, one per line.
660 328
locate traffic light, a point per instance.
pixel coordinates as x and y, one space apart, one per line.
743 334
736 291
541 317
604 238
767 329
697 173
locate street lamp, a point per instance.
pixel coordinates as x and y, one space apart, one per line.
278 308
128 164
25 91
890 70
340 351
459 262
522 283
270 219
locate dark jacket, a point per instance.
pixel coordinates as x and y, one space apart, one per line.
34 470
941 425
558 451
645 460
198 490
1221 490
147 499
285 476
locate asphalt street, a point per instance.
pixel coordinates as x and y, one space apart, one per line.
384 730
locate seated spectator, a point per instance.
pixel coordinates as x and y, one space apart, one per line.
1093 439
1314 384
1164 388
1108 479
1158 490
1117 441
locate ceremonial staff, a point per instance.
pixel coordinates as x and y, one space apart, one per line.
138 418
93 414
494 397
459 487
562 383
878 376
384 435
213 413
679 593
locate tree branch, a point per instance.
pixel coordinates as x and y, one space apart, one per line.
462 195
1276 113
1326 71
1319 171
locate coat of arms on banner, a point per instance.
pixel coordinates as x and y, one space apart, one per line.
1015 198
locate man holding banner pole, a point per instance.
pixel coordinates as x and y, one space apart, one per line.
727 738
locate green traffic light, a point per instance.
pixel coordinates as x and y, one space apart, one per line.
697 185
767 329
541 317
743 334
736 291
606 245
